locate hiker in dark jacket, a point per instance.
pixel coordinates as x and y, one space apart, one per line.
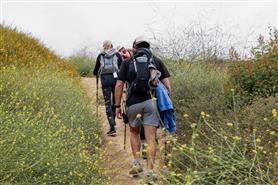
107 66
141 108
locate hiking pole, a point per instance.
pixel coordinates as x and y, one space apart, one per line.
97 95
125 137
125 118
125 122
165 148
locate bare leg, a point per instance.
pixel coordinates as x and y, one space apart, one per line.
150 138
135 142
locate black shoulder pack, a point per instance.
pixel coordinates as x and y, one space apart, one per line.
139 68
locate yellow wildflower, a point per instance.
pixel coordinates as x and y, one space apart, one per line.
237 138
193 125
173 174
274 112
138 116
183 146
230 124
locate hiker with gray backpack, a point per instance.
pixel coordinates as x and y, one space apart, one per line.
142 71
107 67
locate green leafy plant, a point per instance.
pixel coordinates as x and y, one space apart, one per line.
256 77
83 63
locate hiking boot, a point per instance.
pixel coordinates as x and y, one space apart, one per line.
135 170
150 177
111 132
144 151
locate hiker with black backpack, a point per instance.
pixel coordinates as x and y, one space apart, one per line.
107 67
141 106
126 54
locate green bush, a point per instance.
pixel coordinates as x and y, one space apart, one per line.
83 64
257 77
239 150
197 87
47 131
216 143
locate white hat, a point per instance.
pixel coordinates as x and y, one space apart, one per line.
120 47
140 39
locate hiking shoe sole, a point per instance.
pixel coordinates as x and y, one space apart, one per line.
112 134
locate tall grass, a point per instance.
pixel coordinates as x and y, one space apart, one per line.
226 151
197 87
215 144
48 133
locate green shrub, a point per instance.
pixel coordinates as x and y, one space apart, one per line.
257 77
83 64
197 87
47 130
48 133
220 144
242 150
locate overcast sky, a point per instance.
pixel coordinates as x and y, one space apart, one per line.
68 26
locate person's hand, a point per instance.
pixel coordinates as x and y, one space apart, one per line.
119 113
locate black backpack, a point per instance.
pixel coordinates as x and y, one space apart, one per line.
139 70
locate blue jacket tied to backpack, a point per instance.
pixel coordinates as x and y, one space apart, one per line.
165 107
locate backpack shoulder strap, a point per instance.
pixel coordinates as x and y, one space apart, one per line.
134 63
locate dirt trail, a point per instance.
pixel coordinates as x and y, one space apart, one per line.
117 159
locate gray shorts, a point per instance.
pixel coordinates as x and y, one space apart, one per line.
148 111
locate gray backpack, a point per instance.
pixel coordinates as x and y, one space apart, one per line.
108 64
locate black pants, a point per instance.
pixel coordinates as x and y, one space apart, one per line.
108 83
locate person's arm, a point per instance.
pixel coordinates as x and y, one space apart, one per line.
97 66
118 96
166 83
165 75
119 89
